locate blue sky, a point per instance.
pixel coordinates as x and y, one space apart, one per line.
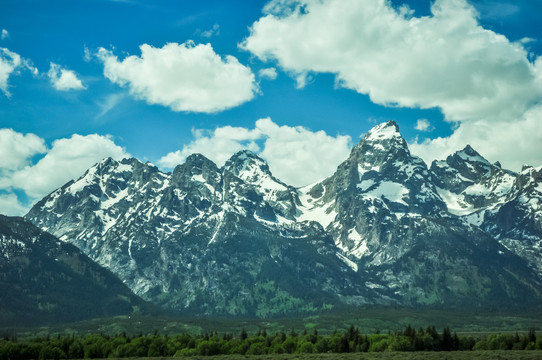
296 82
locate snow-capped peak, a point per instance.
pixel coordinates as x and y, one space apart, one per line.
247 166
471 155
382 144
255 172
387 130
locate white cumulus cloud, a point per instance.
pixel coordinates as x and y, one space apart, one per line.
63 79
295 155
16 149
4 34
66 159
10 205
423 125
268 73
183 77
446 60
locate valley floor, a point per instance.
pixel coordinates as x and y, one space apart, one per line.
368 320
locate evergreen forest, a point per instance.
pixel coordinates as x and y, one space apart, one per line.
95 346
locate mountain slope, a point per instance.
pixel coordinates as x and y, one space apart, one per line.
504 204
517 223
44 280
236 240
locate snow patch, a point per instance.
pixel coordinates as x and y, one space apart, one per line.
390 190
478 190
365 184
354 235
112 201
455 203
198 178
476 218
80 184
347 261
124 168
321 213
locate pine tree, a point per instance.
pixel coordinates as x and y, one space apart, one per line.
532 335
446 344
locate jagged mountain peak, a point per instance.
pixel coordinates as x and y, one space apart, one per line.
526 167
383 155
380 179
196 168
468 154
469 151
530 179
467 166
254 171
245 154
110 164
107 162
197 161
470 184
382 145
246 164
251 168
387 130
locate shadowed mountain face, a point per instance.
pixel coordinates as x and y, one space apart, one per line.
235 240
44 280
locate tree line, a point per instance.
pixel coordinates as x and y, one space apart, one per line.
122 345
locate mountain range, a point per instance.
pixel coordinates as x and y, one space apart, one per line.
383 229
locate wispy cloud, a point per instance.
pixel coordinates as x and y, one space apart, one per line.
496 10
214 31
108 103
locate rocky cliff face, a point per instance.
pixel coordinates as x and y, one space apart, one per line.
235 240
